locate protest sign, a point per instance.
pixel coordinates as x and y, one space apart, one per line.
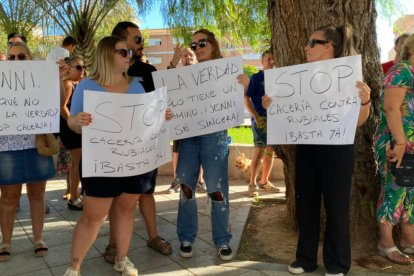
314 103
204 97
128 134
29 97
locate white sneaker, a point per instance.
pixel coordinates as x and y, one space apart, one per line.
268 186
333 274
252 189
126 267
71 272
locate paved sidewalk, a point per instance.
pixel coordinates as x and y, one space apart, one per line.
60 222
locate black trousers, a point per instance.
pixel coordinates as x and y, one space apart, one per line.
324 172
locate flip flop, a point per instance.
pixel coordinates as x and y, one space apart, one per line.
386 254
5 252
40 249
409 250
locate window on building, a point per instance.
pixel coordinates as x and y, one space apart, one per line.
154 60
154 42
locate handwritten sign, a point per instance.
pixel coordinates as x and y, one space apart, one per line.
128 135
204 97
29 97
314 103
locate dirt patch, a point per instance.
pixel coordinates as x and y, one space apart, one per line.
268 238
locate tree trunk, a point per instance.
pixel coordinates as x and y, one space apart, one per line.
291 24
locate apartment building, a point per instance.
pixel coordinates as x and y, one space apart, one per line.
160 50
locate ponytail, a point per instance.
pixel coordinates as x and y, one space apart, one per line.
341 38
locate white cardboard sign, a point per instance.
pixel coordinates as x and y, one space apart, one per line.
29 97
204 97
314 103
128 134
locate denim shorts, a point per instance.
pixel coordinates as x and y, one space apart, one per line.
25 166
259 134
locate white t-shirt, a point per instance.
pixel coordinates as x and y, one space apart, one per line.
58 53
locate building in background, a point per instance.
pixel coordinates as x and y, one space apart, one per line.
160 49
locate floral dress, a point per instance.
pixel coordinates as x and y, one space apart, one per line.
395 204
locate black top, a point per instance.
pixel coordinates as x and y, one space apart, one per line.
143 71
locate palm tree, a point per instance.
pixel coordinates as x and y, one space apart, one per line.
82 18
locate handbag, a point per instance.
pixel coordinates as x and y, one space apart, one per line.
47 144
404 174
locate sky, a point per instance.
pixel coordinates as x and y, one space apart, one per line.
385 37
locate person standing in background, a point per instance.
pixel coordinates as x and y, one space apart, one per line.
253 103
63 51
397 48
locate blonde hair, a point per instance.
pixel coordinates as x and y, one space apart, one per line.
407 47
20 44
103 65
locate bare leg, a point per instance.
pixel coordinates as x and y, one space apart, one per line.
122 218
386 241
10 196
36 196
147 207
95 211
201 174
75 156
174 162
254 165
407 235
267 164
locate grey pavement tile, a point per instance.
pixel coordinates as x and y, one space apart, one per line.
60 255
145 258
21 244
167 270
255 273
43 272
170 216
22 263
91 267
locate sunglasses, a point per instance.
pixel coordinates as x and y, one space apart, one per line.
19 56
124 52
139 40
79 67
313 42
201 43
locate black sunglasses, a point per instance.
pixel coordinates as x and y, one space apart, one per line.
313 42
201 43
79 67
19 56
139 40
124 52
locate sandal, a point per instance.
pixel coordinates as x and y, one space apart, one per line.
386 253
40 249
409 250
5 252
110 253
160 245
75 205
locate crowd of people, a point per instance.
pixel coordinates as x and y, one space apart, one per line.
201 162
